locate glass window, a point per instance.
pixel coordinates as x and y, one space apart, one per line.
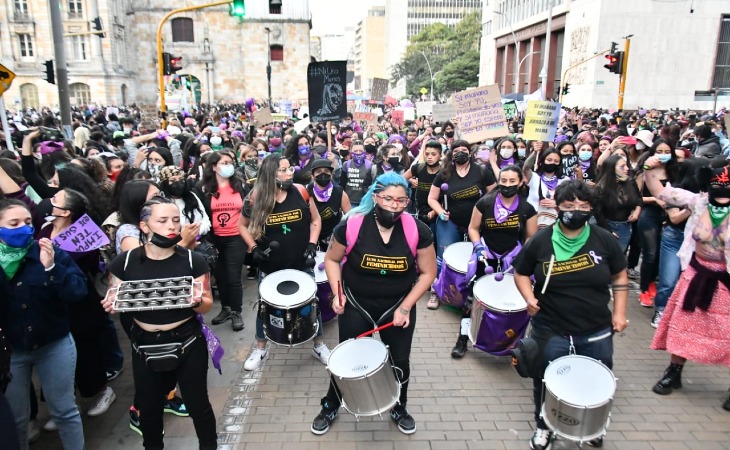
29 96
182 30
21 7
721 78
277 53
79 94
26 45
79 48
75 8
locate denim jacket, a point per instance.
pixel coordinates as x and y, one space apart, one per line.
33 304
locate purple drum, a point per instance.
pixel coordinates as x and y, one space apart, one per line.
452 284
324 291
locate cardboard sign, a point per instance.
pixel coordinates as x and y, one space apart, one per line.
409 112
510 110
442 112
424 108
148 118
326 83
351 107
82 236
365 117
379 90
541 120
286 107
302 124
397 117
480 113
263 117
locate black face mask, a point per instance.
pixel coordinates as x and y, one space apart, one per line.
176 188
508 191
394 161
449 134
461 158
320 149
574 220
344 153
386 218
284 185
550 168
164 241
371 148
323 179
718 192
436 164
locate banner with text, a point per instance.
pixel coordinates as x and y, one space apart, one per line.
510 110
379 90
480 113
541 120
82 236
442 112
326 83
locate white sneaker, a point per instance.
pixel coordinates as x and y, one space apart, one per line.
34 430
256 358
102 402
322 353
541 439
50 426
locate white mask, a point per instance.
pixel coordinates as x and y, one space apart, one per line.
506 153
398 145
640 145
216 141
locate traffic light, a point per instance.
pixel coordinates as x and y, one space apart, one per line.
614 60
171 64
99 27
50 72
566 88
238 8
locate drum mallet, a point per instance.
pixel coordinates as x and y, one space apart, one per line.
445 189
382 327
273 246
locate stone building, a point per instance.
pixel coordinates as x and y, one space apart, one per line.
224 59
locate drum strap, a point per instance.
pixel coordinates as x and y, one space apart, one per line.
354 223
363 311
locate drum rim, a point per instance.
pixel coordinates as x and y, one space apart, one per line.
488 306
464 244
593 360
280 273
359 377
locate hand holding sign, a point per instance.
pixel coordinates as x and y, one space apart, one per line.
82 236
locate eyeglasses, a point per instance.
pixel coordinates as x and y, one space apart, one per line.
285 170
398 201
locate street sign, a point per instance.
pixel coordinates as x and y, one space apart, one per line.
6 79
423 91
711 93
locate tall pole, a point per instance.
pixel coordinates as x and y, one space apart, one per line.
624 65
59 52
429 71
515 77
268 64
546 62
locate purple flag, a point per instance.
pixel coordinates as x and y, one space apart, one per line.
215 349
500 332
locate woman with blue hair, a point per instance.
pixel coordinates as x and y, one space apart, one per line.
369 295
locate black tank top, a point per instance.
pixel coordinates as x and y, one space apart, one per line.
288 224
330 211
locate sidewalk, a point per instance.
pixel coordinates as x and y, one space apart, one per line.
478 402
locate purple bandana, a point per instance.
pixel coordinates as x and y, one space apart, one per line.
502 212
47 147
215 349
322 195
584 166
550 182
304 162
506 162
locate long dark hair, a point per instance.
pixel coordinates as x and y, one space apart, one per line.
291 152
133 197
190 200
671 167
164 152
209 183
449 166
74 177
541 162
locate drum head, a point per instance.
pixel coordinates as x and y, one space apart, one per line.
457 255
500 296
287 288
356 358
580 380
320 276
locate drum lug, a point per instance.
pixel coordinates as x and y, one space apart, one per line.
291 338
288 319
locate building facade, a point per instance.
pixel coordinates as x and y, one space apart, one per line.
224 59
369 50
676 48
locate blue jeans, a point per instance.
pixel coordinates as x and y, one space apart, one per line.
55 364
260 322
650 229
447 233
669 268
598 345
623 231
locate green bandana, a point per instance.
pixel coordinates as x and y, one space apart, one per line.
718 214
10 258
566 247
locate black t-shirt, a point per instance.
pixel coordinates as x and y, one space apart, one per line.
502 237
303 175
330 211
143 268
288 224
379 274
577 295
464 192
425 181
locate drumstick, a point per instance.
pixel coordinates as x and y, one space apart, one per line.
550 271
382 327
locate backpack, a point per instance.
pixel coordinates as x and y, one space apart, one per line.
354 223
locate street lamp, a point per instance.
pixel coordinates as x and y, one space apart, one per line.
518 70
516 78
268 63
429 71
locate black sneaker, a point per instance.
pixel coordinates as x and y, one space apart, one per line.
597 442
252 274
222 316
326 416
236 320
541 439
726 405
459 349
134 420
406 423
176 406
113 374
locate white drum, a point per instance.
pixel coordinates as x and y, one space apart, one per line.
498 316
362 370
457 255
577 397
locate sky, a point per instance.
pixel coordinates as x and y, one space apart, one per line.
332 16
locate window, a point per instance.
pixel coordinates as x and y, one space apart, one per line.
79 94
26 46
277 53
721 78
79 48
21 7
29 96
182 30
75 9
274 7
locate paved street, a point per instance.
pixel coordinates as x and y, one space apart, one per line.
475 403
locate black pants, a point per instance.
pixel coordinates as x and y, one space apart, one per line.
231 256
353 323
151 387
87 321
8 430
634 247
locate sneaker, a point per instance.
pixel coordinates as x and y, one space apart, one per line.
459 349
252 274
134 420
646 300
322 353
406 423
34 431
102 402
113 374
657 318
726 405
597 442
256 358
433 301
50 426
324 419
176 406
222 316
236 320
634 274
652 289
541 439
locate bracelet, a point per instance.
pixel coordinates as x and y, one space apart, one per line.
404 310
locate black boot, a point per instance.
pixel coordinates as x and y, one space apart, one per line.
459 349
671 380
726 405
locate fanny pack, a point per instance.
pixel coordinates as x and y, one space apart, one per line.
526 358
163 357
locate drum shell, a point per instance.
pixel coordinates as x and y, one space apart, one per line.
499 315
371 393
452 279
290 318
324 291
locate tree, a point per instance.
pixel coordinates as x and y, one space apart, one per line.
459 74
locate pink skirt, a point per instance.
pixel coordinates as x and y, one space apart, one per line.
700 336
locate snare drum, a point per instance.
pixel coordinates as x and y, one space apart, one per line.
288 307
324 291
452 284
498 316
362 370
577 397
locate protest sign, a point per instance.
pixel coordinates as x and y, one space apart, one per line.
510 110
424 108
379 90
480 113
365 117
397 117
286 107
148 118
326 83
263 117
442 112
302 124
82 236
409 112
541 120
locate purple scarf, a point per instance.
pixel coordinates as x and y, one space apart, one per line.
214 344
322 194
505 260
304 162
507 162
550 182
502 212
584 166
